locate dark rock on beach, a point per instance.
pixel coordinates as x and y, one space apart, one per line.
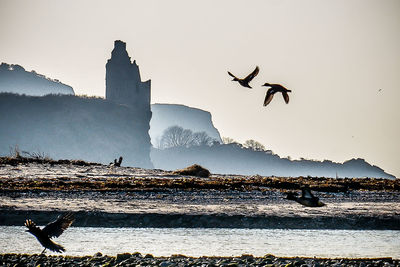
193 170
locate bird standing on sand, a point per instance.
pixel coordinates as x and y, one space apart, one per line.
53 229
275 88
245 82
306 199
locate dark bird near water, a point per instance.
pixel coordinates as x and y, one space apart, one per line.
53 229
306 199
245 82
274 89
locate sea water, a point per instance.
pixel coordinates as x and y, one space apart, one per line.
197 242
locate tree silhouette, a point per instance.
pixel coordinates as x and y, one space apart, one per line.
202 139
176 136
228 140
254 145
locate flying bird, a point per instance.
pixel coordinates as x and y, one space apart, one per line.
53 229
307 198
274 88
245 82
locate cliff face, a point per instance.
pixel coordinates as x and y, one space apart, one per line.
124 87
14 79
166 115
71 127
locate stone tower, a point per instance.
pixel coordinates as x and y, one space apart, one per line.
124 86
123 82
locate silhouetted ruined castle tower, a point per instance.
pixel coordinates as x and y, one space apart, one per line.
124 86
123 82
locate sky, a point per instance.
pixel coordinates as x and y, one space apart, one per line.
340 58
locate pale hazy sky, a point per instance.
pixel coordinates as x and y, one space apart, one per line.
333 55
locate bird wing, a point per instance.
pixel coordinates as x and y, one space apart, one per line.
232 75
32 227
57 227
252 75
306 193
285 96
268 96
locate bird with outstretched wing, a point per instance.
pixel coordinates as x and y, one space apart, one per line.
274 88
53 229
245 81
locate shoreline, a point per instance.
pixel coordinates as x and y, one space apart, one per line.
158 220
105 196
127 259
24 174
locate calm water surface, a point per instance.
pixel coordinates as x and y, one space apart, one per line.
211 242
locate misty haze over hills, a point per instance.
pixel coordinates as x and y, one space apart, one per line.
94 129
235 159
167 115
15 79
101 130
71 127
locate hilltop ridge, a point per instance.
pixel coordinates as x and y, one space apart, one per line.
15 79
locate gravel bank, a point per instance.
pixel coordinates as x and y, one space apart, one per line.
137 259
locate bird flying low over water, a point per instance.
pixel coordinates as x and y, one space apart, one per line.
307 198
274 88
53 229
245 82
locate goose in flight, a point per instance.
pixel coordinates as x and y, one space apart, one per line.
274 88
307 198
245 81
53 229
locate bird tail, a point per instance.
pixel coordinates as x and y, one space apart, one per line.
55 247
234 77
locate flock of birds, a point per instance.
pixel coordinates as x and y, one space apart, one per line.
273 88
57 227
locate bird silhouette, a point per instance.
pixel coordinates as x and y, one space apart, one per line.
245 82
274 89
116 163
307 198
53 229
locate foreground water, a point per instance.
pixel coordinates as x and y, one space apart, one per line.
211 242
